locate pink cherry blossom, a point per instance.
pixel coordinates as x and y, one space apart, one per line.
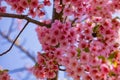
4 74
2 9
83 37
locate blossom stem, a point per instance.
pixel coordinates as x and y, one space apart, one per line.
14 40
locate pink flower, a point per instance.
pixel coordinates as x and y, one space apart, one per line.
53 41
58 8
72 53
40 59
51 74
79 70
3 9
67 11
34 3
84 58
55 68
94 61
58 53
70 72
32 13
104 68
87 77
4 75
50 63
24 3
73 63
47 2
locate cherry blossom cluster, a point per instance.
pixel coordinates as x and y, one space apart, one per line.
87 49
94 50
89 8
46 66
79 8
34 7
76 8
61 35
4 74
2 8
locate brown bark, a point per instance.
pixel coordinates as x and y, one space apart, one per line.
25 17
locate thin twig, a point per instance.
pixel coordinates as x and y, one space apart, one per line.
62 69
24 17
19 47
17 70
14 40
73 21
56 15
53 12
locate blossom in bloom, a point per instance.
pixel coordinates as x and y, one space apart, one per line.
4 75
88 49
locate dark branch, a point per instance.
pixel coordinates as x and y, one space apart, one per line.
14 40
73 22
18 46
62 69
53 12
24 17
56 15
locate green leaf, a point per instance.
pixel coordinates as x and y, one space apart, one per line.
115 64
78 52
112 74
101 57
112 55
86 49
95 29
36 65
78 55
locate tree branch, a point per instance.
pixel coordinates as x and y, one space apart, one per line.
19 47
56 15
24 17
62 69
14 40
73 21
